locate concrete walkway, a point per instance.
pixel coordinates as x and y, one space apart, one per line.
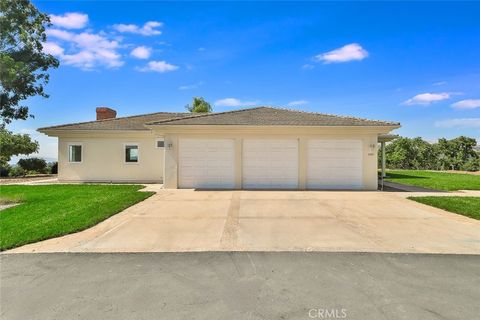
188 220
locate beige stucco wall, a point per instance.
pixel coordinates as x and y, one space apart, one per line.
367 135
103 159
103 152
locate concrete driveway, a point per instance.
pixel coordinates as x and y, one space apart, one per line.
188 220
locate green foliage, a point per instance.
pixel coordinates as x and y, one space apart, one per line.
199 105
23 65
471 165
49 211
17 171
35 165
14 145
53 167
4 170
408 153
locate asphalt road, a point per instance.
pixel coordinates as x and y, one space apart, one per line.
222 285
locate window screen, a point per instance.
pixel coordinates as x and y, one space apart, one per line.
131 153
75 153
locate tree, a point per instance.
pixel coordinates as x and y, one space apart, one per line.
33 164
407 153
23 64
199 105
14 145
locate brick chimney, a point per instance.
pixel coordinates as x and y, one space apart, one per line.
105 113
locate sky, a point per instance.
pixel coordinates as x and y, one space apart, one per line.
413 62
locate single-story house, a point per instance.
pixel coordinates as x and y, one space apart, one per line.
255 148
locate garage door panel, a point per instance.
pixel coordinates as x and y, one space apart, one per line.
334 164
270 164
206 163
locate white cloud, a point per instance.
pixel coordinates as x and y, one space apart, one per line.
158 66
60 34
148 29
427 98
308 66
440 83
52 48
467 104
349 52
70 20
297 103
459 123
87 50
233 102
141 52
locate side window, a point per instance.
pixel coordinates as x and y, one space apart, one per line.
131 153
160 143
75 153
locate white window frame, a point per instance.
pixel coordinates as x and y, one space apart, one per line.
70 144
156 143
125 149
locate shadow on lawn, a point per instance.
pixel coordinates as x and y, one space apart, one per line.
403 176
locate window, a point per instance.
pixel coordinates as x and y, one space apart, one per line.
75 153
160 143
131 153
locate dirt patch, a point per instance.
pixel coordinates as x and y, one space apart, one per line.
7 205
4 181
475 173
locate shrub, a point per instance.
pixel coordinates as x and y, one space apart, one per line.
4 170
17 171
33 164
53 167
472 165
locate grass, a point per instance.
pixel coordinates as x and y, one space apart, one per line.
435 180
467 206
48 211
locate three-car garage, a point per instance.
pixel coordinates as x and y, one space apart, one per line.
270 163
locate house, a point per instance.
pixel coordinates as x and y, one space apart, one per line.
256 148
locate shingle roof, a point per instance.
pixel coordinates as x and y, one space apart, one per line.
123 123
260 116
269 116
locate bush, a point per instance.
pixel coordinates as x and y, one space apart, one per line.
472 165
17 171
36 165
4 170
53 167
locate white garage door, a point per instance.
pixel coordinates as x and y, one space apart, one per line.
270 164
334 164
206 163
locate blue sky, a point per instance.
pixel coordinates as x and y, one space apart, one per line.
417 63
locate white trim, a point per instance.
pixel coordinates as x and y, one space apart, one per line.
156 143
124 154
70 144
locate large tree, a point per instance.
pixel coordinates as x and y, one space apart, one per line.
23 64
14 145
199 105
407 153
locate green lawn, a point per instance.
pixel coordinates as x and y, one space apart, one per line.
48 211
467 206
435 180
